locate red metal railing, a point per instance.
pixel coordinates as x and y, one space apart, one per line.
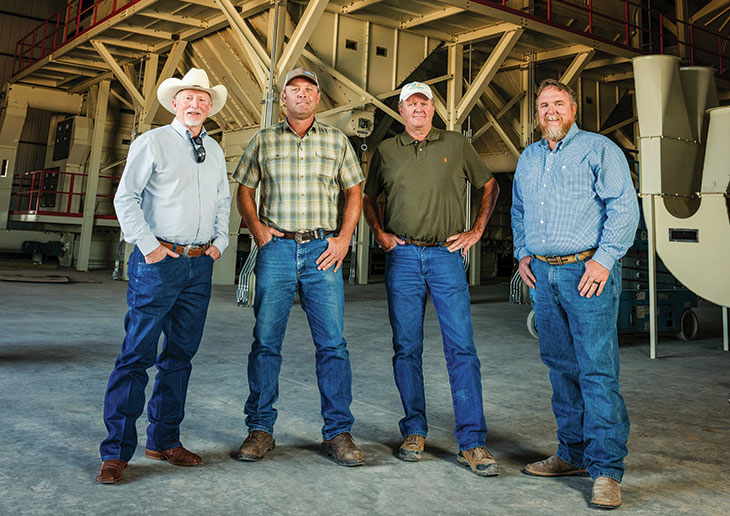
643 28
32 190
67 24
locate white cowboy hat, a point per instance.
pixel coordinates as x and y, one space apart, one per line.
195 79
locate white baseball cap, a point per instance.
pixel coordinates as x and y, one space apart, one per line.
415 87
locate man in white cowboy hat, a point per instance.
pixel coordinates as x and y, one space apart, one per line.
423 173
301 165
173 204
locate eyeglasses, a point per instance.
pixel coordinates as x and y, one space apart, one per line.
199 151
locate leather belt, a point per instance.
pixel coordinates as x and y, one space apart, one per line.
303 236
563 260
187 251
423 244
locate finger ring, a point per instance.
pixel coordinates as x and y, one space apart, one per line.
597 282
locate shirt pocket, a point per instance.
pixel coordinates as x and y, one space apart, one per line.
277 169
578 181
325 166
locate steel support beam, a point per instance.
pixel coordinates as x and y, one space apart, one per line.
304 29
253 50
122 77
454 88
514 100
151 104
487 73
352 85
430 17
357 5
482 34
92 176
576 67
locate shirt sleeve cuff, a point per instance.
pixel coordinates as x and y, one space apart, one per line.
603 258
220 243
521 253
148 244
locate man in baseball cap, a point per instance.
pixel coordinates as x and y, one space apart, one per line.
423 173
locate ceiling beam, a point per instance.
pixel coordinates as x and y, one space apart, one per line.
144 31
175 18
708 9
357 5
492 31
430 17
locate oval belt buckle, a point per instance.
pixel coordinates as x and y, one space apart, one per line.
301 236
186 250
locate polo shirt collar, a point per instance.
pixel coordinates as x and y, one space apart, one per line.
406 139
184 131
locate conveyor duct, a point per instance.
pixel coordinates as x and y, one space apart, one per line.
685 167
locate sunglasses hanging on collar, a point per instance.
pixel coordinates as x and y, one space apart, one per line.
197 142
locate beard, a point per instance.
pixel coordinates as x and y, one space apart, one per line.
556 133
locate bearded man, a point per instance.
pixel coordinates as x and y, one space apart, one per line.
574 215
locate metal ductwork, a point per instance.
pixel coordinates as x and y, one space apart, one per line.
685 171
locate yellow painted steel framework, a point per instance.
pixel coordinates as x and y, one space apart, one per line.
102 51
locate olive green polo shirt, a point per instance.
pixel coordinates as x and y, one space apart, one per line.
425 183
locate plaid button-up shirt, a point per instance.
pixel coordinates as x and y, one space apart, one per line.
300 178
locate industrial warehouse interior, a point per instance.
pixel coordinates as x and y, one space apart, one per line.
79 81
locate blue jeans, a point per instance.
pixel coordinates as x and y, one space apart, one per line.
284 267
579 344
169 297
411 272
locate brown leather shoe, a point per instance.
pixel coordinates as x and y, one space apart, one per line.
111 471
606 493
553 466
343 449
177 456
412 448
479 460
256 445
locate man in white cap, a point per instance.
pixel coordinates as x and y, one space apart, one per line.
301 166
173 204
423 173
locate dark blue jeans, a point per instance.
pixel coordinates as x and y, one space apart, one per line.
169 297
579 344
411 273
284 267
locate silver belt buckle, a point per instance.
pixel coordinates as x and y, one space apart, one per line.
186 250
301 238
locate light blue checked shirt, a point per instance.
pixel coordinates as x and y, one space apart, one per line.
577 197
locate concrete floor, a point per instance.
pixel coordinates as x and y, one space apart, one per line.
59 342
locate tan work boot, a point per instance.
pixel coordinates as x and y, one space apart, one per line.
479 460
606 493
256 445
553 466
343 449
412 448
